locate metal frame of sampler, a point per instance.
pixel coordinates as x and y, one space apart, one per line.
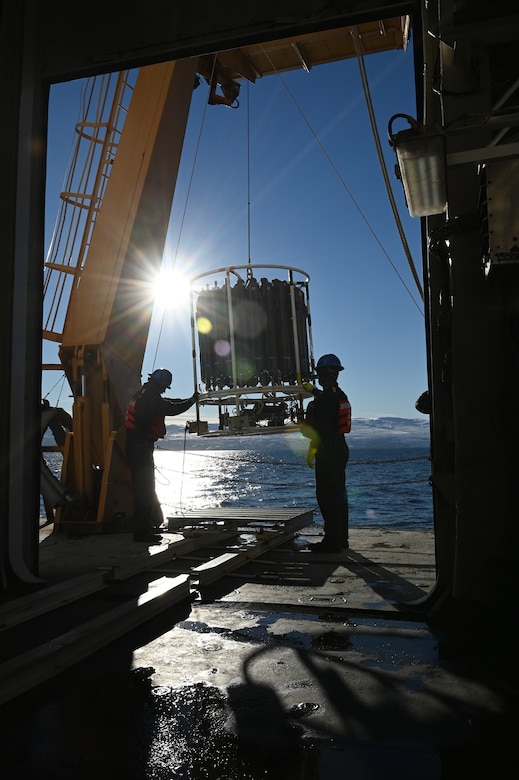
254 347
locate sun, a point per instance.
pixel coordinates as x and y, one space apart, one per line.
171 288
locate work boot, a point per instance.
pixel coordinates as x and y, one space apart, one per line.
325 547
147 536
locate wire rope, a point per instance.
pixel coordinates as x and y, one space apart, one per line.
183 469
285 463
234 479
341 179
61 382
248 173
188 194
369 103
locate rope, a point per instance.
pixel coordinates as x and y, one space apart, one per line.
248 172
236 480
60 381
183 470
182 221
203 453
369 103
246 480
345 186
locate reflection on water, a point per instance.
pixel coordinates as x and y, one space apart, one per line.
198 480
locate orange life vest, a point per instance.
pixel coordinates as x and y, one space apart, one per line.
344 416
157 427
343 419
129 420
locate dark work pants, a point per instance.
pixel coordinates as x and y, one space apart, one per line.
147 514
330 490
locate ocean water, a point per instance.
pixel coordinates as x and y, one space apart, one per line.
388 483
387 486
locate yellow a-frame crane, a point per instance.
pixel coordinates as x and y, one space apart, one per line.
109 308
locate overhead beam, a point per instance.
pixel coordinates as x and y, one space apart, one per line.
161 30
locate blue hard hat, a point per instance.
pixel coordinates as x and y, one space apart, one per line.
329 361
162 377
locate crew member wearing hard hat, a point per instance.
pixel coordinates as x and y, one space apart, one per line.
144 425
328 418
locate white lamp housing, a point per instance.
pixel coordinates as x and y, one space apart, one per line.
420 153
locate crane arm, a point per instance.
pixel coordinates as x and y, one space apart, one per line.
111 300
110 308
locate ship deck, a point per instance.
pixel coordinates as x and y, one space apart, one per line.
289 663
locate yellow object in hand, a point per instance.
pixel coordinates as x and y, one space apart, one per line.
308 386
310 455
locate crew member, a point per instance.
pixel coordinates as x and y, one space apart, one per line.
144 425
328 418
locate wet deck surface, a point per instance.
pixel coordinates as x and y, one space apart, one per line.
296 665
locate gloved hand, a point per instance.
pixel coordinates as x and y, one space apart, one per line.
310 455
308 386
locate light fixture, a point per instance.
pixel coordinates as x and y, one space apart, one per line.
421 166
230 89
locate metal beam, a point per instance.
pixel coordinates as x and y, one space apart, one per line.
484 154
162 30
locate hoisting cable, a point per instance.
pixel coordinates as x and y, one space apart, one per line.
182 472
345 186
248 172
60 381
369 103
195 158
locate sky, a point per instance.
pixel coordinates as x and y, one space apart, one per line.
293 174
